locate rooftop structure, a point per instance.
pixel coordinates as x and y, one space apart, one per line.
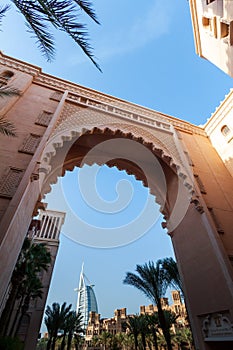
213 31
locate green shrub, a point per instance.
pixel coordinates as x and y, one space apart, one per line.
7 343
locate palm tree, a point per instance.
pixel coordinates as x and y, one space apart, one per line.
31 289
143 329
170 318
73 325
6 127
94 341
54 321
104 339
150 280
133 325
153 324
184 336
33 259
171 273
42 15
79 341
121 340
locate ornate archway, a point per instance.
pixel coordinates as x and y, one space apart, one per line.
78 126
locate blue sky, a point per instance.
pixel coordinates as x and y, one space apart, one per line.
146 51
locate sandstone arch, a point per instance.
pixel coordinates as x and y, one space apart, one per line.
81 118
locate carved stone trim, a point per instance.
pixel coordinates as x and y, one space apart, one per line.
216 221
198 206
77 92
19 65
217 327
30 144
10 182
44 118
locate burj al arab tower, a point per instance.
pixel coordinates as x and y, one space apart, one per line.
86 298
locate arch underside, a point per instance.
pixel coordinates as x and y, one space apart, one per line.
68 149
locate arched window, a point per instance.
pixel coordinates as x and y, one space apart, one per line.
5 77
225 130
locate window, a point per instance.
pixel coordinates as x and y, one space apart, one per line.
30 144
44 118
10 182
225 130
224 29
5 77
205 21
56 96
210 24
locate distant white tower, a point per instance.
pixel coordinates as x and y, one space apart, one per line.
86 298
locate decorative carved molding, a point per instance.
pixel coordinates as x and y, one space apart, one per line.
194 200
99 100
10 182
19 65
30 144
217 327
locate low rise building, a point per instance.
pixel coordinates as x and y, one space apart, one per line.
116 324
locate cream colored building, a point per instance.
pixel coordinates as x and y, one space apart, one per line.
116 324
213 31
112 325
177 307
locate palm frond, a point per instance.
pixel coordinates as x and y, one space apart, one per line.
35 21
6 127
9 91
88 8
3 10
149 280
62 14
171 273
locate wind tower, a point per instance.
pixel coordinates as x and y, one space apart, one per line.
86 298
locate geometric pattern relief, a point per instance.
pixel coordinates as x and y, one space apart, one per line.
10 182
30 144
56 96
75 117
44 118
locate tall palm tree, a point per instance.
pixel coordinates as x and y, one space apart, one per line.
42 15
73 325
184 336
153 324
32 259
133 325
171 273
54 321
79 341
104 339
31 289
150 280
143 329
